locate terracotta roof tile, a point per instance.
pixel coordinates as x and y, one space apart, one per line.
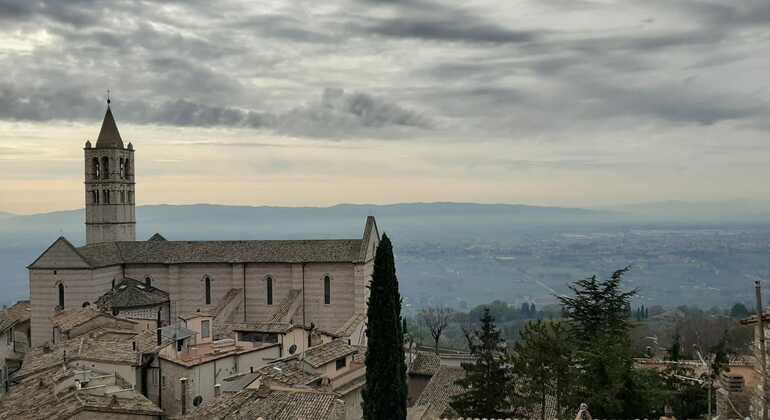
273 405
322 354
425 363
440 390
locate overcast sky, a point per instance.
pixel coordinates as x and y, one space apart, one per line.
551 102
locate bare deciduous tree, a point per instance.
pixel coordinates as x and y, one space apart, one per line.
436 319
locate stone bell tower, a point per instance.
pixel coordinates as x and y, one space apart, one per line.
110 206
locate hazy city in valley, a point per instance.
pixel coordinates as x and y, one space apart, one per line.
385 210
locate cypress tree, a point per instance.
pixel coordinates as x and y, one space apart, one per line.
385 392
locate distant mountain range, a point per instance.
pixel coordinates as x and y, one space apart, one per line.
208 221
436 241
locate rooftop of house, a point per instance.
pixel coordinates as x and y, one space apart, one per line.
82 348
322 354
439 391
64 392
68 319
754 319
16 314
288 372
176 332
107 254
425 364
198 354
272 404
130 293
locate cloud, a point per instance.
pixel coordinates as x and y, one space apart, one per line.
337 113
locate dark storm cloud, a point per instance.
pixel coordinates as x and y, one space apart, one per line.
427 20
335 115
453 28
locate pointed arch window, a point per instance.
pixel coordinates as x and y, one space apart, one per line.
61 295
105 167
122 168
96 168
327 290
269 289
207 291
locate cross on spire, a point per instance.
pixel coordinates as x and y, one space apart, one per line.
108 97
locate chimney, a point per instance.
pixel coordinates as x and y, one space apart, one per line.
217 390
158 325
184 395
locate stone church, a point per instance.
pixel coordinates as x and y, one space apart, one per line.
303 282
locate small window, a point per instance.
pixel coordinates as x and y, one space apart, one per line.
269 289
179 345
122 168
341 363
207 291
61 295
148 281
197 400
327 290
205 329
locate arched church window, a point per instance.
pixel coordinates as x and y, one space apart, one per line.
122 168
127 168
105 167
327 290
269 289
207 291
106 197
96 168
61 295
95 196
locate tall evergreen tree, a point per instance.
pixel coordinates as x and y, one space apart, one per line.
542 362
385 392
488 381
598 316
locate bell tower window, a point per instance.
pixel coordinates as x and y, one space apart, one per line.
96 168
105 167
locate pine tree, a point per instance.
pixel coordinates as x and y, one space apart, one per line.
488 381
385 392
599 324
542 363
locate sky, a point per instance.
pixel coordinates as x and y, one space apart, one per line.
550 102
